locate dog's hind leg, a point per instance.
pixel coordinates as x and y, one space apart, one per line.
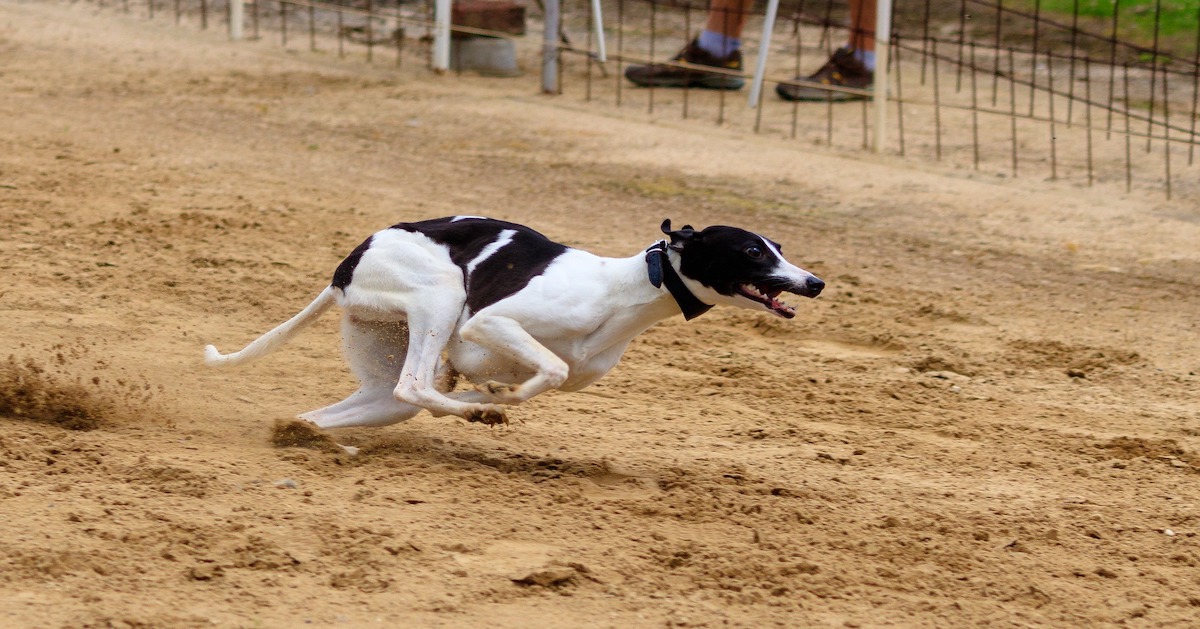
364 408
409 275
431 325
374 351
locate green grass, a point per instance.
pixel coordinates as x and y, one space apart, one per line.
1177 23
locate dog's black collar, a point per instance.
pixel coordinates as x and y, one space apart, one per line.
661 271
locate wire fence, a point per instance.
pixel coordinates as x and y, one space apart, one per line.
1003 87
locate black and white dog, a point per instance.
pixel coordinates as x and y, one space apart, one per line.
514 312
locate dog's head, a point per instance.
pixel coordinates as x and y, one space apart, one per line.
727 265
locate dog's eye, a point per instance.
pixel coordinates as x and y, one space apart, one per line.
754 252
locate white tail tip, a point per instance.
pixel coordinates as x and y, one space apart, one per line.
212 357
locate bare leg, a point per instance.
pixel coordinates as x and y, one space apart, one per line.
862 24
728 17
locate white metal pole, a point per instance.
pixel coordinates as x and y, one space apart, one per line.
764 46
441 35
883 36
598 21
237 16
550 36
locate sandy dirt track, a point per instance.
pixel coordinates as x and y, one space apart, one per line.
990 418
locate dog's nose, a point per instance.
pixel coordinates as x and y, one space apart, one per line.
814 286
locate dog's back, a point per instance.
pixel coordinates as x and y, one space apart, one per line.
497 258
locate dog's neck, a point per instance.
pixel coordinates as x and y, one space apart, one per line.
661 272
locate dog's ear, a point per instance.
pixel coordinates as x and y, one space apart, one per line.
679 237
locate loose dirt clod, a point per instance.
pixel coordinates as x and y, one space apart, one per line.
28 391
548 576
294 433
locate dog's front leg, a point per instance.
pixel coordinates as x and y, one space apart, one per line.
507 338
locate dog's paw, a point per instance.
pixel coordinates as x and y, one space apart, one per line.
487 417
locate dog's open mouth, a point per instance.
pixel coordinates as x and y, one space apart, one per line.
766 295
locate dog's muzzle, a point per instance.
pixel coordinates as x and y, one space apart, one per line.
767 293
811 287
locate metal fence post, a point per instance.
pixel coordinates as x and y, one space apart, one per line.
441 36
237 16
598 24
550 47
883 37
764 49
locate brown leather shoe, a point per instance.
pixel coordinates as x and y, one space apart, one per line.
842 70
668 75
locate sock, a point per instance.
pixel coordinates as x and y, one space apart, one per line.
867 58
718 45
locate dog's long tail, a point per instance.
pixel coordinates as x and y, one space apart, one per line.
271 341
